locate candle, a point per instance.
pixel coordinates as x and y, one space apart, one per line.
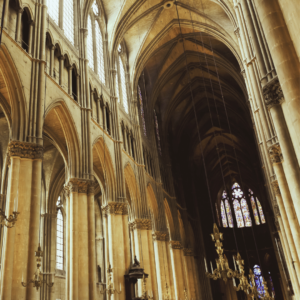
16 204
234 262
22 277
233 280
205 265
120 287
212 269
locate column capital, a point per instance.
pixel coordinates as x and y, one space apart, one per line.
159 236
272 93
115 208
175 245
143 224
25 150
81 186
275 154
237 32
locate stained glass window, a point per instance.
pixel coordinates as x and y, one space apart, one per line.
229 214
246 213
142 110
59 241
95 8
259 281
99 49
255 213
261 213
53 10
238 214
123 84
157 133
90 44
223 215
272 292
68 20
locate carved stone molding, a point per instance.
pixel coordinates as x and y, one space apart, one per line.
277 224
276 209
67 191
275 154
188 252
115 208
159 236
2 197
81 186
143 224
175 245
276 188
25 150
272 92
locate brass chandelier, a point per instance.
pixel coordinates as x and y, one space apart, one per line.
110 290
222 271
37 279
10 221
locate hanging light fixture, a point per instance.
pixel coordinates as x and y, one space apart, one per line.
110 290
37 279
10 221
222 271
244 284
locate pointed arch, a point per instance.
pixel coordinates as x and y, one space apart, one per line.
133 189
12 98
104 169
169 219
58 110
182 231
153 205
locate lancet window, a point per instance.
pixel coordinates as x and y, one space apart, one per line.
55 7
59 237
123 82
95 52
259 281
226 211
256 208
142 110
157 133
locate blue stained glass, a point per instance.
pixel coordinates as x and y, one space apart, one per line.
223 215
229 214
246 213
259 281
142 110
238 213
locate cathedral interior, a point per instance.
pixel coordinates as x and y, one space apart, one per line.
149 150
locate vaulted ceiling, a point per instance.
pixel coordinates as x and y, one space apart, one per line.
186 57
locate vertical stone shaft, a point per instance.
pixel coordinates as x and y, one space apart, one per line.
284 56
9 237
92 244
34 225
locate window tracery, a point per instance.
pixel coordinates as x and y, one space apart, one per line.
99 49
59 237
254 208
142 110
123 84
68 20
53 10
240 206
227 210
90 44
223 215
259 281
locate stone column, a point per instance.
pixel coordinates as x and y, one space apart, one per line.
73 232
273 96
9 237
284 55
61 68
145 253
178 272
99 111
6 13
70 81
92 244
30 38
189 273
18 29
159 241
52 49
117 249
